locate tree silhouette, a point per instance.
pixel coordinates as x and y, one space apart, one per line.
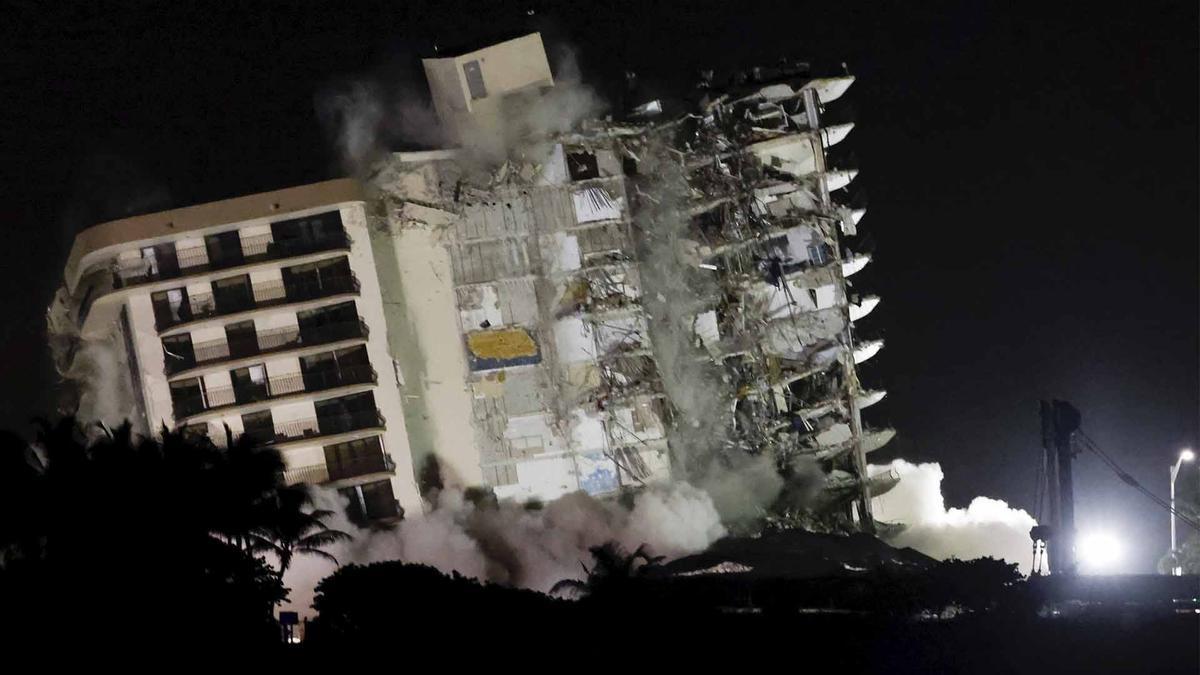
142 529
613 573
291 530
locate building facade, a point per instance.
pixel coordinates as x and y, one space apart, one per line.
598 310
261 315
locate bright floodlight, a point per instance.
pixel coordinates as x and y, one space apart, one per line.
1187 455
1099 551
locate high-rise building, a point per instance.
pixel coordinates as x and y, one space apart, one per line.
536 310
262 314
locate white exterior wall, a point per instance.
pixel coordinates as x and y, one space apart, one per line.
208 333
276 320
149 351
303 456
387 393
148 347
283 413
429 344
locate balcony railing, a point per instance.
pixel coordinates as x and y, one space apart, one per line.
323 473
316 427
196 260
267 342
274 387
313 474
361 466
262 295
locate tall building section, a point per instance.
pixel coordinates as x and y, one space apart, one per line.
570 380
260 314
777 315
535 311
517 287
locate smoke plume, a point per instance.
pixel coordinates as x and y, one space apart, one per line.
511 544
987 527
95 372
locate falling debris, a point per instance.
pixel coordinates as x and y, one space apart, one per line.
676 285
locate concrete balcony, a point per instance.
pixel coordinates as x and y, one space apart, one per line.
259 296
319 427
197 260
284 386
274 341
318 474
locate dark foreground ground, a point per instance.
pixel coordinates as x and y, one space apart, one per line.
640 642
950 617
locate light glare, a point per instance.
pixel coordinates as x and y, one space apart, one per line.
1099 551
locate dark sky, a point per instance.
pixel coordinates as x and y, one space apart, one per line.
1032 173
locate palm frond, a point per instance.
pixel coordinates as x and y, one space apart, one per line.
323 538
572 585
318 553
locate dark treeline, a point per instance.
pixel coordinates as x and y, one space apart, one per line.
954 617
177 543
128 539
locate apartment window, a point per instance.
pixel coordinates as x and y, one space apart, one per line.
250 384
317 364
339 359
160 261
197 430
332 369
371 501
474 75
233 294
259 426
224 249
355 458
820 254
150 261
308 233
308 280
171 307
242 339
318 324
347 413
187 397
178 353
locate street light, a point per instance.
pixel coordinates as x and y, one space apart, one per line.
1185 456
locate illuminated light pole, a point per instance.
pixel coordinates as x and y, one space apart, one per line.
1185 456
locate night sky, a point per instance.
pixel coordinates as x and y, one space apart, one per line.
1031 172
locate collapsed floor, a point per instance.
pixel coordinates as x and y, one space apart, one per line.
661 296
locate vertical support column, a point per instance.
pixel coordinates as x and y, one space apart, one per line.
1060 421
862 502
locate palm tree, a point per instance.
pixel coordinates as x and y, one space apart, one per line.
613 571
291 530
246 478
116 520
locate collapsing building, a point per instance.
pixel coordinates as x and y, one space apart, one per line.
591 306
639 298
